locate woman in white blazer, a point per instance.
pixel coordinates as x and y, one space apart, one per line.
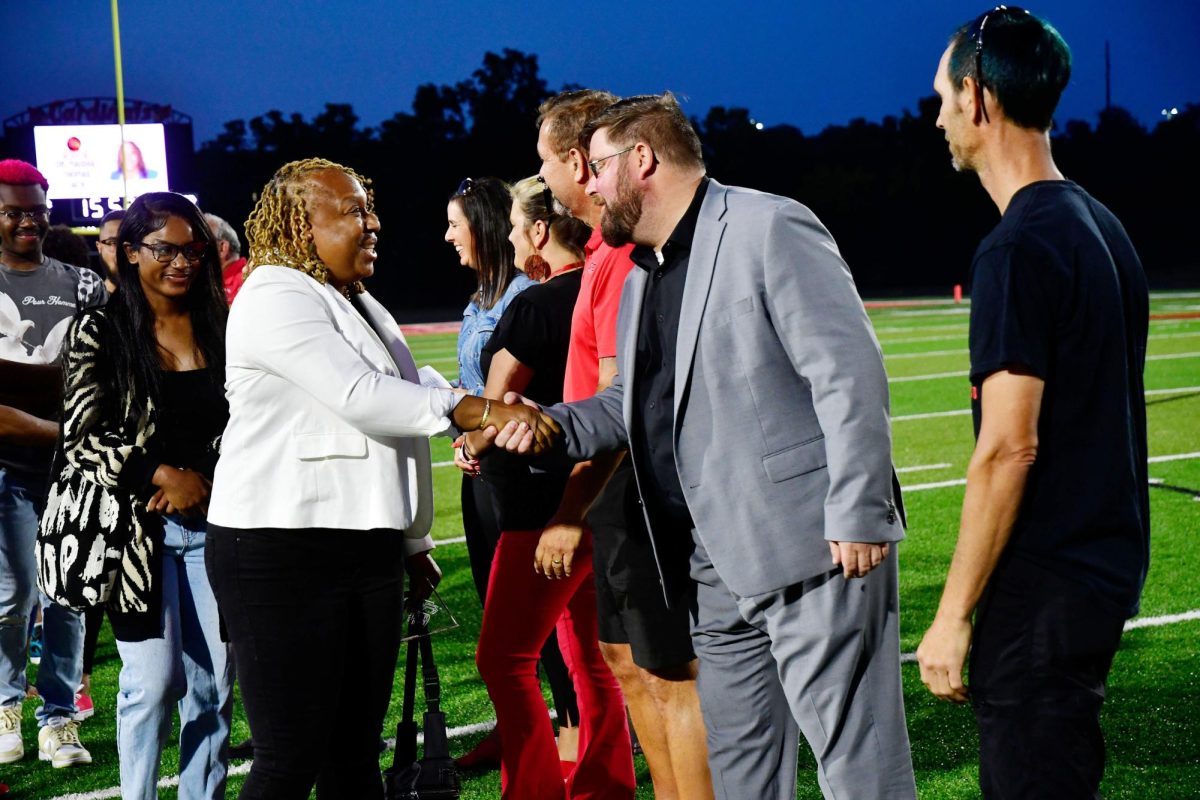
323 492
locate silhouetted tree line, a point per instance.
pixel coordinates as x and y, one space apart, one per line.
905 221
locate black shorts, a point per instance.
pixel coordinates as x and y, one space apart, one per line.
630 603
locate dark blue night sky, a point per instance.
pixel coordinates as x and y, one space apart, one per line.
807 64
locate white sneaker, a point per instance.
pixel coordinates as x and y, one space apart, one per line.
11 747
58 743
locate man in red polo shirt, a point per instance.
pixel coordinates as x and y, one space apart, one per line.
646 644
229 248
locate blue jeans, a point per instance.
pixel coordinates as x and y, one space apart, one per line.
21 504
188 665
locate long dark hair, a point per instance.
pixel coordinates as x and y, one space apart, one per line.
135 352
485 203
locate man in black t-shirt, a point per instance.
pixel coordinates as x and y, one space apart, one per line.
1054 541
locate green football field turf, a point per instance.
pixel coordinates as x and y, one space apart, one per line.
1150 721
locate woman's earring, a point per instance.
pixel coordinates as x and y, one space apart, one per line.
537 267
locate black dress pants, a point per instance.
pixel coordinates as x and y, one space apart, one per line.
314 617
1042 649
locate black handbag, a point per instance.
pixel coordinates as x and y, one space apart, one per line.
433 776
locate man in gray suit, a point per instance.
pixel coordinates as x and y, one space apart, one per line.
752 397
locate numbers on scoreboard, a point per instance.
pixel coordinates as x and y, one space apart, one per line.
97 207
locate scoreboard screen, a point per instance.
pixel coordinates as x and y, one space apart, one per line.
90 161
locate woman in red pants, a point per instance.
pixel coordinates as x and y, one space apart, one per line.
528 354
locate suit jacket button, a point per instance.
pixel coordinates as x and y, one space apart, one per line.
891 518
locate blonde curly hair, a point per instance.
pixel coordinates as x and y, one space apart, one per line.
278 229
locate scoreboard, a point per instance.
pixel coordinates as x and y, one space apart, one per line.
94 167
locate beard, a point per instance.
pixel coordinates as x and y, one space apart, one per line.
621 215
960 159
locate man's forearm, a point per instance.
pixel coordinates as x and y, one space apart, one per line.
19 427
995 487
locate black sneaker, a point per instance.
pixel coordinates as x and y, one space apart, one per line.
243 751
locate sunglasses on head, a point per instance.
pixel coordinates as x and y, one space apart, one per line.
465 187
547 197
975 34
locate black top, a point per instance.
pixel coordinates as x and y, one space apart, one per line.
652 440
192 415
1058 290
536 330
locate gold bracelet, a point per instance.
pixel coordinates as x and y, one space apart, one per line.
487 409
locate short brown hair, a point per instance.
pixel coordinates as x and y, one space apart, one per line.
654 119
567 113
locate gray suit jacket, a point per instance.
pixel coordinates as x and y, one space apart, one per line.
782 437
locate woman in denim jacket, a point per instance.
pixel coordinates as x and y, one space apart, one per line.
477 228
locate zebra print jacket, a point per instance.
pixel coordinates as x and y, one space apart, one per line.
97 543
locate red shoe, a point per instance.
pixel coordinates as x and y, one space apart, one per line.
485 756
83 707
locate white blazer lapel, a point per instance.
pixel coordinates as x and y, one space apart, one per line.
384 330
420 477
701 264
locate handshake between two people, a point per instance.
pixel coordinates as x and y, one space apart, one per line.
516 424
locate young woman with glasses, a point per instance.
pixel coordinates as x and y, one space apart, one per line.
143 412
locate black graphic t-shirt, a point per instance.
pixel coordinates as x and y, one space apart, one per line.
36 307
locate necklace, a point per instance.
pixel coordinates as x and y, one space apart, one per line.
568 268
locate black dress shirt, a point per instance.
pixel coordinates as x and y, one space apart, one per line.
652 440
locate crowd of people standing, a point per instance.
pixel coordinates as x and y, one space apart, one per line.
671 416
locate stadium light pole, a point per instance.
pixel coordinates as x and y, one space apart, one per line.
116 27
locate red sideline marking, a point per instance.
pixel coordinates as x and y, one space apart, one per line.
906 303
424 328
1177 315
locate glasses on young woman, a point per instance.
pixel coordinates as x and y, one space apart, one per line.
165 253
975 34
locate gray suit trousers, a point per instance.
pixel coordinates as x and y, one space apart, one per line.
820 657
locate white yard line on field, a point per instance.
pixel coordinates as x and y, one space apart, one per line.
921 467
1133 624
922 487
964 411
961 352
1177 390
932 414
964 351
1175 457
916 339
1168 356
933 376
930 377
